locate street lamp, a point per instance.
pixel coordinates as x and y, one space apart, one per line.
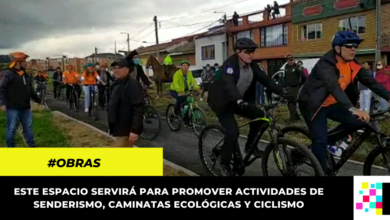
128 40
225 52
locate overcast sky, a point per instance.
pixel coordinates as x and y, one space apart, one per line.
44 28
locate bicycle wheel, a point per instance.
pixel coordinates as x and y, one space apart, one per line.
210 158
75 101
198 120
174 122
288 157
383 157
152 123
95 107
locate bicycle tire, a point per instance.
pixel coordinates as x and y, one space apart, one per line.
203 115
167 117
368 163
200 147
75 101
95 108
152 136
303 149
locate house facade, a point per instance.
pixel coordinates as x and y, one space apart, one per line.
211 47
272 34
316 22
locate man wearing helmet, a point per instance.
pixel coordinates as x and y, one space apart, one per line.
231 94
331 91
16 90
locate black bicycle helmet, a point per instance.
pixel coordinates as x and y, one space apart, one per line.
245 44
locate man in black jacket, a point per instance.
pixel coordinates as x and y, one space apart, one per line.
126 105
294 77
16 90
331 91
139 73
231 94
57 79
106 78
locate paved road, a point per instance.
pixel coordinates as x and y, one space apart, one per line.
182 147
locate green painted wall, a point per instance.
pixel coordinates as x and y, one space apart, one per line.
328 10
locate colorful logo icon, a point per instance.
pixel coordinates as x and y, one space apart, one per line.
370 198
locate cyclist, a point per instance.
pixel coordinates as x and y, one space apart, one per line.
40 76
231 94
71 77
331 91
183 80
89 78
106 77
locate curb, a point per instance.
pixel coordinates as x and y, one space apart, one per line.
166 162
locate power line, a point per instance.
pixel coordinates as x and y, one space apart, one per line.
143 29
199 29
212 9
187 25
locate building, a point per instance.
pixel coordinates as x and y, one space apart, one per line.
210 48
107 58
315 23
186 51
273 35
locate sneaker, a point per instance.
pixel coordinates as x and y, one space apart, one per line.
86 110
201 99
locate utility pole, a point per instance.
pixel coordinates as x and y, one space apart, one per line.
128 42
156 30
378 31
115 50
96 50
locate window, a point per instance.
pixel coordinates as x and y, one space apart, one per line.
208 52
311 31
273 36
357 24
247 34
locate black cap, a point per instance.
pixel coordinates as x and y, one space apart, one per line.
216 64
121 63
208 65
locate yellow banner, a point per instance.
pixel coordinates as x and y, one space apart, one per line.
81 161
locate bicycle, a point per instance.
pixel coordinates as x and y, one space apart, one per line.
105 97
150 113
42 91
148 99
73 98
190 109
382 148
62 92
283 161
93 108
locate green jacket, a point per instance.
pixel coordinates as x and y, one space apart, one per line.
178 82
217 74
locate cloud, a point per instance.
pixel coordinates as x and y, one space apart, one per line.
51 27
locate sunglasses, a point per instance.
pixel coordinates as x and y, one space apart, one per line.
350 46
249 52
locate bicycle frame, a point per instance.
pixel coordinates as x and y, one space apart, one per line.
373 127
191 103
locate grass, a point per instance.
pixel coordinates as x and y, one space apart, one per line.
281 115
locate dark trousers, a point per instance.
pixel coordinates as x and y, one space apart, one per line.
230 125
56 89
319 129
15 116
205 88
76 87
292 102
102 91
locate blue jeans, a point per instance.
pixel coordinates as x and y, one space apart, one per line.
179 100
319 129
260 98
384 104
87 95
25 118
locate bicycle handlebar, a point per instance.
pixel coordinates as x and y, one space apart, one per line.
377 114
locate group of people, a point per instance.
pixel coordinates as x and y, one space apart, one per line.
330 91
208 76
